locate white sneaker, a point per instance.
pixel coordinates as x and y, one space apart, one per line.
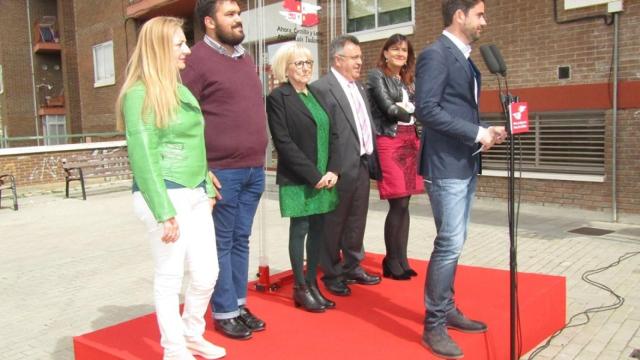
200 346
185 355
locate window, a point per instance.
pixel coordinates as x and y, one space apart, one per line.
103 69
372 14
564 143
55 129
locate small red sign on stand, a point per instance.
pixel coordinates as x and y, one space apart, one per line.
519 117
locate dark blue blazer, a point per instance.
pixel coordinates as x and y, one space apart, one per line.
447 109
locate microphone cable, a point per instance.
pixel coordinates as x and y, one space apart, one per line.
586 277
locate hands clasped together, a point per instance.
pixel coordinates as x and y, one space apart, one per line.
328 181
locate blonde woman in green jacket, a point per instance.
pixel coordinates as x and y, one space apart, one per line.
172 191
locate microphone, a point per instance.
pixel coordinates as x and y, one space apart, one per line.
490 59
498 56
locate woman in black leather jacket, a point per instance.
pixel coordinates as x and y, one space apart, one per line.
391 92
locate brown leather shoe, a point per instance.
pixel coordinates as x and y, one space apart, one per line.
440 343
456 320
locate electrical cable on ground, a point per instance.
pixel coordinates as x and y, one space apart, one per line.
586 313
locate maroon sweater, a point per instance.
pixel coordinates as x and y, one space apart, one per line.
230 95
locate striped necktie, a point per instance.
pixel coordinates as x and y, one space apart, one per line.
362 120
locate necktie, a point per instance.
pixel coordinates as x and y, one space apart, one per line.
474 75
472 68
362 120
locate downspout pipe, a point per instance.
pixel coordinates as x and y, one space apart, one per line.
614 120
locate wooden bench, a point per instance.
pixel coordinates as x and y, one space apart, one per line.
108 164
7 181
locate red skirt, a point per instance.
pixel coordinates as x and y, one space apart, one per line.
398 162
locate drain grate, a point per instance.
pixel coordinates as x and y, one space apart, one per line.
591 231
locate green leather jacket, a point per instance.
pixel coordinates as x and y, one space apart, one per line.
176 153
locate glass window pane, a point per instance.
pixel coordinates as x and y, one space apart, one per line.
361 15
103 62
391 12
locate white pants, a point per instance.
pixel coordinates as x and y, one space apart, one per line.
197 246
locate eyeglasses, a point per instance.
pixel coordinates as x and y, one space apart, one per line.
299 64
354 57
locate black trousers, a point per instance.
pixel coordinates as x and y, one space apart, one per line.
344 228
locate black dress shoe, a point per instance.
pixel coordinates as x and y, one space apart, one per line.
338 288
315 291
250 320
363 279
386 272
233 328
302 297
440 344
457 321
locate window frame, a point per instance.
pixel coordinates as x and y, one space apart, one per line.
51 121
106 81
380 32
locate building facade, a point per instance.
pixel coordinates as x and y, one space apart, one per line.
560 61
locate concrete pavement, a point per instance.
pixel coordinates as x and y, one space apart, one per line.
69 266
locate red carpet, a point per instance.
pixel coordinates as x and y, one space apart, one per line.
375 322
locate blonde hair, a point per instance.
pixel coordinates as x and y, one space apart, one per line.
285 54
152 64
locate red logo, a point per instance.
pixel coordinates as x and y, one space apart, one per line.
519 115
300 13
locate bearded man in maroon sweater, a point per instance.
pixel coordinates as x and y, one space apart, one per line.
223 79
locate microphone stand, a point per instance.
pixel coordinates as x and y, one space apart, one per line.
506 99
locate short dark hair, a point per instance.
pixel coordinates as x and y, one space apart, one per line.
206 8
338 44
449 8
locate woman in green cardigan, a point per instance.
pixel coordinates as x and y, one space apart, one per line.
308 167
172 191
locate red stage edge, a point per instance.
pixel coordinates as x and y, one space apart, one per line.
388 314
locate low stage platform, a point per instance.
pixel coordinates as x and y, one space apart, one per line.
375 322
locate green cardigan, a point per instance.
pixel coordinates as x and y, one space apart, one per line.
175 153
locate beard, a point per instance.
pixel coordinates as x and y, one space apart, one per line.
229 37
472 33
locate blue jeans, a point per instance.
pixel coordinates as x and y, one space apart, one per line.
451 201
233 218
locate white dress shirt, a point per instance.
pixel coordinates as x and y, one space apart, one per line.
345 84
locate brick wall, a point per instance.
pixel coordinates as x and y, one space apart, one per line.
532 43
41 168
71 76
92 28
17 109
533 46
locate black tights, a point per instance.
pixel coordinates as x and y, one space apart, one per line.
396 234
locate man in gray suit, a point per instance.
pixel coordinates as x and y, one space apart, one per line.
346 103
447 92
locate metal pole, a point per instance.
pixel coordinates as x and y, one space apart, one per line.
614 127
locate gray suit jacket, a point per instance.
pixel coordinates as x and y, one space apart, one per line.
446 106
335 101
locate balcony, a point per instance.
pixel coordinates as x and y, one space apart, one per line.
46 40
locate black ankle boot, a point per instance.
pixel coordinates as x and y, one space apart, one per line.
302 297
315 291
386 272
